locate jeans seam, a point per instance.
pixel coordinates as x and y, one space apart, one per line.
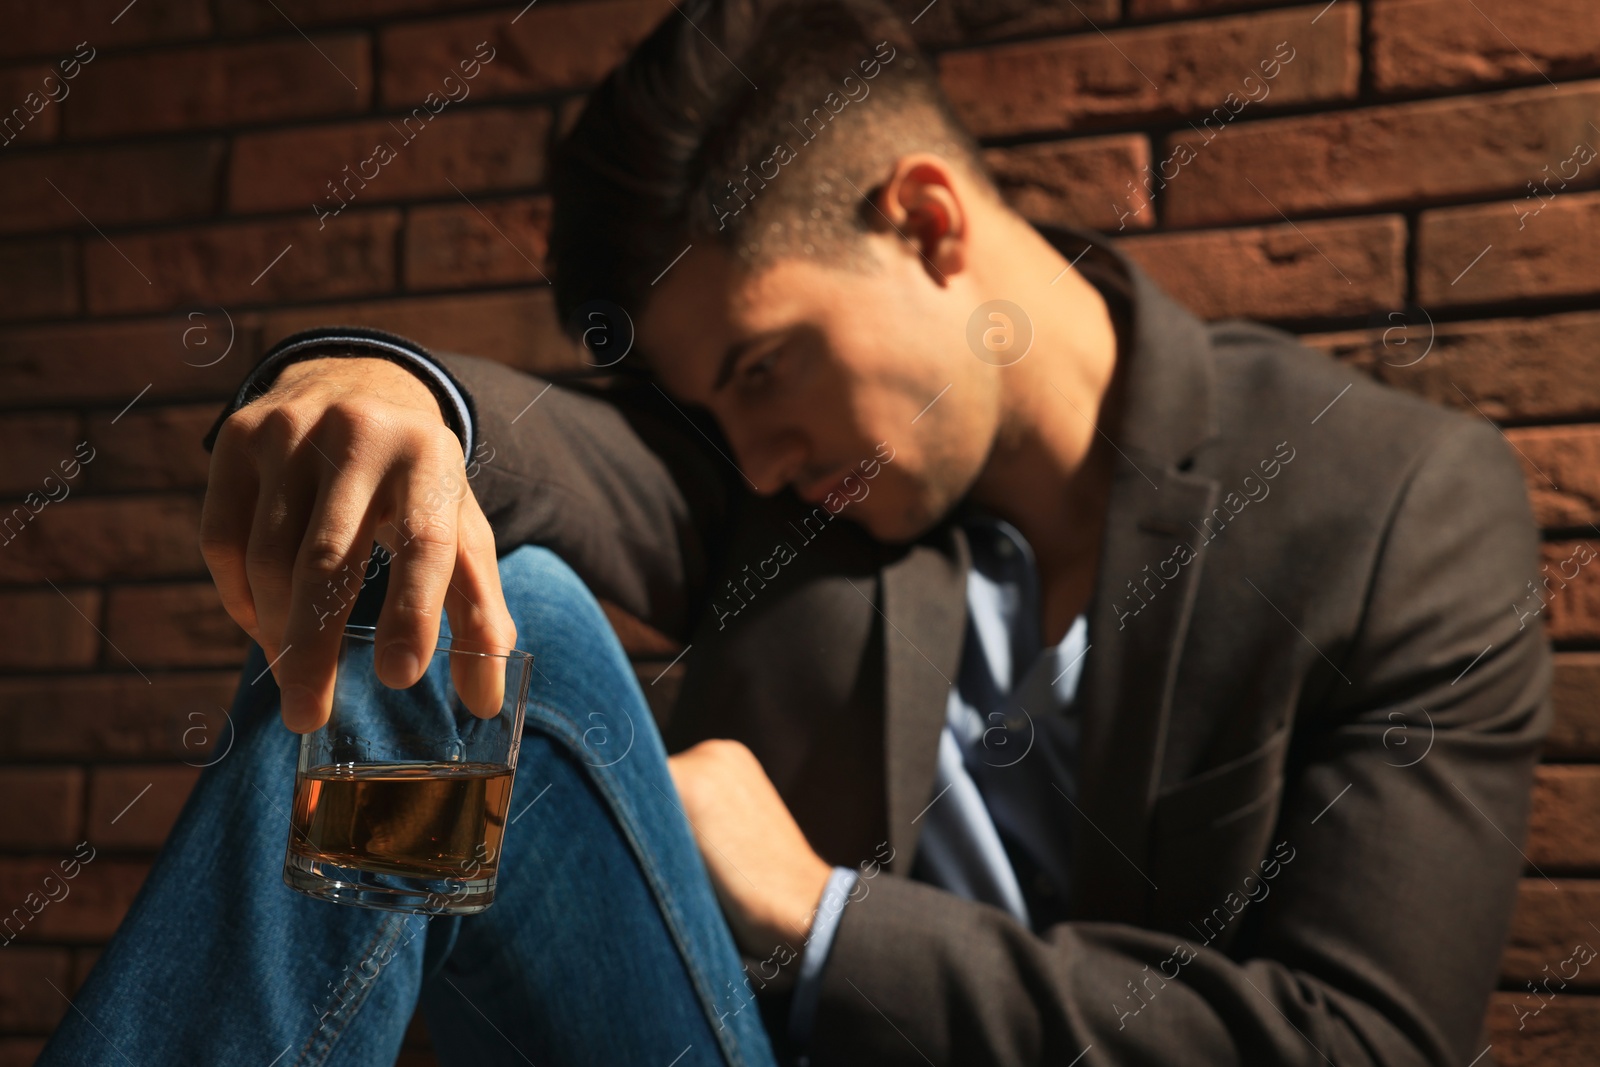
674 921
347 1011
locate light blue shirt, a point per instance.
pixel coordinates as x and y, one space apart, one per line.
1007 763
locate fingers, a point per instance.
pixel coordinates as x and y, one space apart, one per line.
421 532
479 618
283 506
225 520
301 481
328 573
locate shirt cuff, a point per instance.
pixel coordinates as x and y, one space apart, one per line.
808 981
455 404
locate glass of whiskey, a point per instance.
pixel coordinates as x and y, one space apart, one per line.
400 799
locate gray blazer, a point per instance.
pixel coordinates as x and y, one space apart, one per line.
1310 713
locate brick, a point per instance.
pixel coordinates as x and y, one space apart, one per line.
22 1051
1573 589
1513 370
1317 269
20 124
112 363
143 816
117 716
1564 1033
184 88
479 150
1423 45
235 263
113 186
34 446
957 22
94 901
40 278
417 1032
1098 182
48 29
99 539
516 328
549 48
1433 151
43 806
1548 917
1562 465
1157 8
660 681
42 629
1575 693
27 1003
245 18
1564 827
639 639
567 113
1157 72
158 448
173 626
82 960
496 242
1531 258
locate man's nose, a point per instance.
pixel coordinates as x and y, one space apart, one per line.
771 458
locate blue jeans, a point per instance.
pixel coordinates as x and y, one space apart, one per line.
605 944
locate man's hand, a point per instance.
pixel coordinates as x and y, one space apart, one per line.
766 875
338 454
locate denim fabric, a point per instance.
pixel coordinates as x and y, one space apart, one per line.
605 944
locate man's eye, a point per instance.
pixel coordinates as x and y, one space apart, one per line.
760 370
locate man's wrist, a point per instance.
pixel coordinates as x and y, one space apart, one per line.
819 943
379 377
794 921
358 342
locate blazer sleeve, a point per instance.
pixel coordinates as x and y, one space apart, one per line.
617 481
1380 940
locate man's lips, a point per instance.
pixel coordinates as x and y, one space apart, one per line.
818 491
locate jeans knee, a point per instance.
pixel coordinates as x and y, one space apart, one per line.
553 609
537 581
583 686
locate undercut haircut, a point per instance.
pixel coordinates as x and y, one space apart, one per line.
760 125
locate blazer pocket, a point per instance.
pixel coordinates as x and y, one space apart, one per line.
1208 834
1216 797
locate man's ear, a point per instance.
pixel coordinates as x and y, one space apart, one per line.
920 201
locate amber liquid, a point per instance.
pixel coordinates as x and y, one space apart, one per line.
433 820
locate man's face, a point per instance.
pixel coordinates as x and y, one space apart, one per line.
817 372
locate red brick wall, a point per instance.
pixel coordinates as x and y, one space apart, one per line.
1366 194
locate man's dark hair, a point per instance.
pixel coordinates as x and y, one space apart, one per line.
762 125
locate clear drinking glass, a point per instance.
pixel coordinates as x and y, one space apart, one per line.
400 800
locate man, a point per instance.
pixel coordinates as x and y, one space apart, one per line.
1120 689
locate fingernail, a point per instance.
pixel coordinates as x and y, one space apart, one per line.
400 662
298 702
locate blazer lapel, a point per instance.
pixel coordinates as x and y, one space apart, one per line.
924 609
1145 586
1126 693
1138 620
